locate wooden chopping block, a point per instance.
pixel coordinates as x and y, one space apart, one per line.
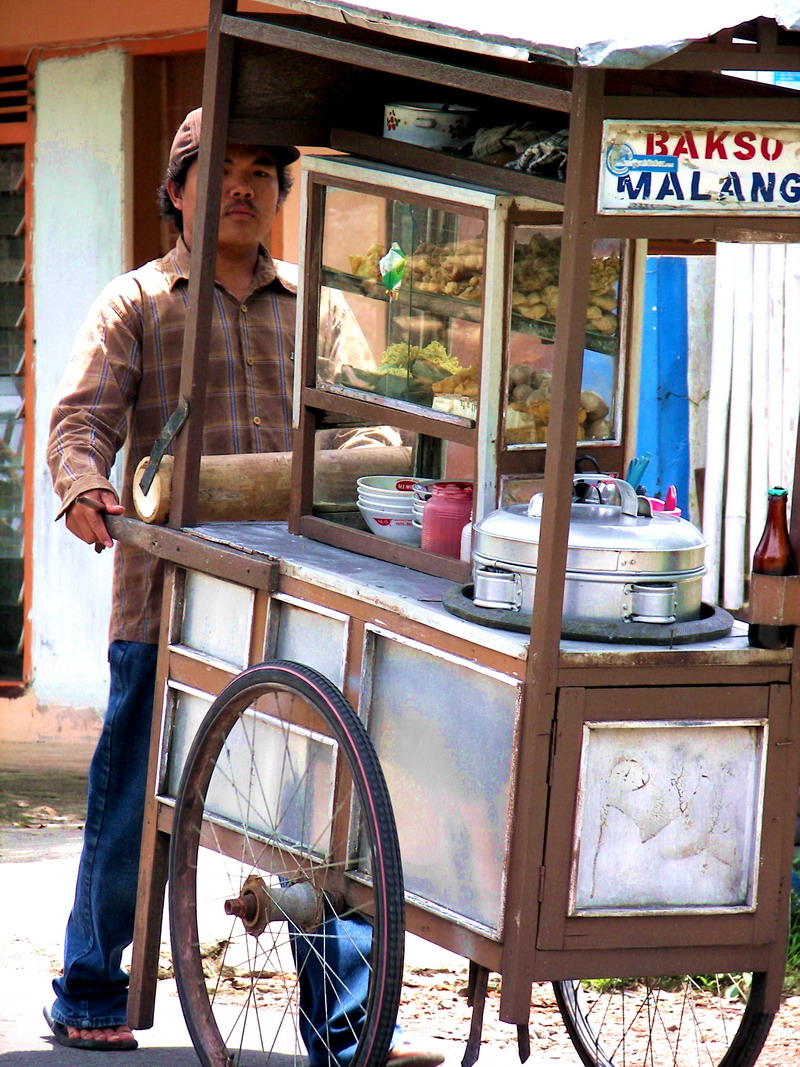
257 486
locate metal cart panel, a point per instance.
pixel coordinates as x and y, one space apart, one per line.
444 732
207 601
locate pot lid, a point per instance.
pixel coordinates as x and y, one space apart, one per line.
594 526
606 533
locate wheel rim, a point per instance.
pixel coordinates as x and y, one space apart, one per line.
689 1021
276 802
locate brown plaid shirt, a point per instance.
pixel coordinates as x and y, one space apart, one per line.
121 386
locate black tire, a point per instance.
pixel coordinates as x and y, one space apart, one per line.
257 799
713 1021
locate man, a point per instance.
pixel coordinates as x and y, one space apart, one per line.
120 387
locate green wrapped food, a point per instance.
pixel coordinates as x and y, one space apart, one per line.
392 267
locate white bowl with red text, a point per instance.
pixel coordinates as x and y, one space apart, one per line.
390 525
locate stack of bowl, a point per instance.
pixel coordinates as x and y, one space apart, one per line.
385 503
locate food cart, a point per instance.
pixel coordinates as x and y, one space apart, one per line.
578 797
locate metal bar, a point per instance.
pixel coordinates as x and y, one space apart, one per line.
526 847
478 984
194 366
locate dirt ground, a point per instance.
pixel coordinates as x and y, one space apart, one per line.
45 786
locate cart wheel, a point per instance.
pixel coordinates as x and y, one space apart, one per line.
715 1020
283 840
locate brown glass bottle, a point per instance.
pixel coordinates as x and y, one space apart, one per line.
774 555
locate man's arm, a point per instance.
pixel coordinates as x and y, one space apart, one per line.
89 420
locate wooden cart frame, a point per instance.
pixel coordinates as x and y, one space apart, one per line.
254 67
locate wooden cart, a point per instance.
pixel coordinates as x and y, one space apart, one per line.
512 760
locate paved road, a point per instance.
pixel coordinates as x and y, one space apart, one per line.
37 877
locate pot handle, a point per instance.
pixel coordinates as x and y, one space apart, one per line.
630 501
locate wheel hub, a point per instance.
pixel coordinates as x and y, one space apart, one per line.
258 904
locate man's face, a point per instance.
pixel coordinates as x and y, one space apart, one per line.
249 198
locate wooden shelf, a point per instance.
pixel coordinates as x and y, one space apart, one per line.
403 154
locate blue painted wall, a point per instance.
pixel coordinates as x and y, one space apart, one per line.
663 420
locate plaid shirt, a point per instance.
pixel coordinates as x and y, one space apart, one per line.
121 386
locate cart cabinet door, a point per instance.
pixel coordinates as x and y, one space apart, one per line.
661 807
444 731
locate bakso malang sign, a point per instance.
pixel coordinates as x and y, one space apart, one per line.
680 168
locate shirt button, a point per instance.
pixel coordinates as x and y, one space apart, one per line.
256 421
250 361
244 308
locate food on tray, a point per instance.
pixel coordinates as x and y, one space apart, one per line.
463 383
452 269
401 356
528 411
406 372
366 266
456 269
535 284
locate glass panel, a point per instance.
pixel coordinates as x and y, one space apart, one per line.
534 307
350 452
403 286
12 384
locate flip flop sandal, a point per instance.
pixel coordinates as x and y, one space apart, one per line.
61 1035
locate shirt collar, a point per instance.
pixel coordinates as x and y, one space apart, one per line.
176 267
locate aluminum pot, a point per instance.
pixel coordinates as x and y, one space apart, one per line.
621 566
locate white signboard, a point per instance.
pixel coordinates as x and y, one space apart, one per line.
699 168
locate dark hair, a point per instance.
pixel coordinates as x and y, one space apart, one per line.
170 213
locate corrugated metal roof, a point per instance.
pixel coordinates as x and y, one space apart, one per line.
603 34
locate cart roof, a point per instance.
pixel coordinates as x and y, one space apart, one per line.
622 35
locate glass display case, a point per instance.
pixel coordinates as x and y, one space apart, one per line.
431 306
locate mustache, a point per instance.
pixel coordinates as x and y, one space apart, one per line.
240 203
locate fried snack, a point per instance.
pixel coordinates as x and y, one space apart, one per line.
456 270
463 383
366 266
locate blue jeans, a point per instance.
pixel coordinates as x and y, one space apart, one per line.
333 987
93 991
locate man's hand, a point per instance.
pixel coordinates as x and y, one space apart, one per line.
84 517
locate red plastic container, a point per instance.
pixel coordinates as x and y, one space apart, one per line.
443 518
